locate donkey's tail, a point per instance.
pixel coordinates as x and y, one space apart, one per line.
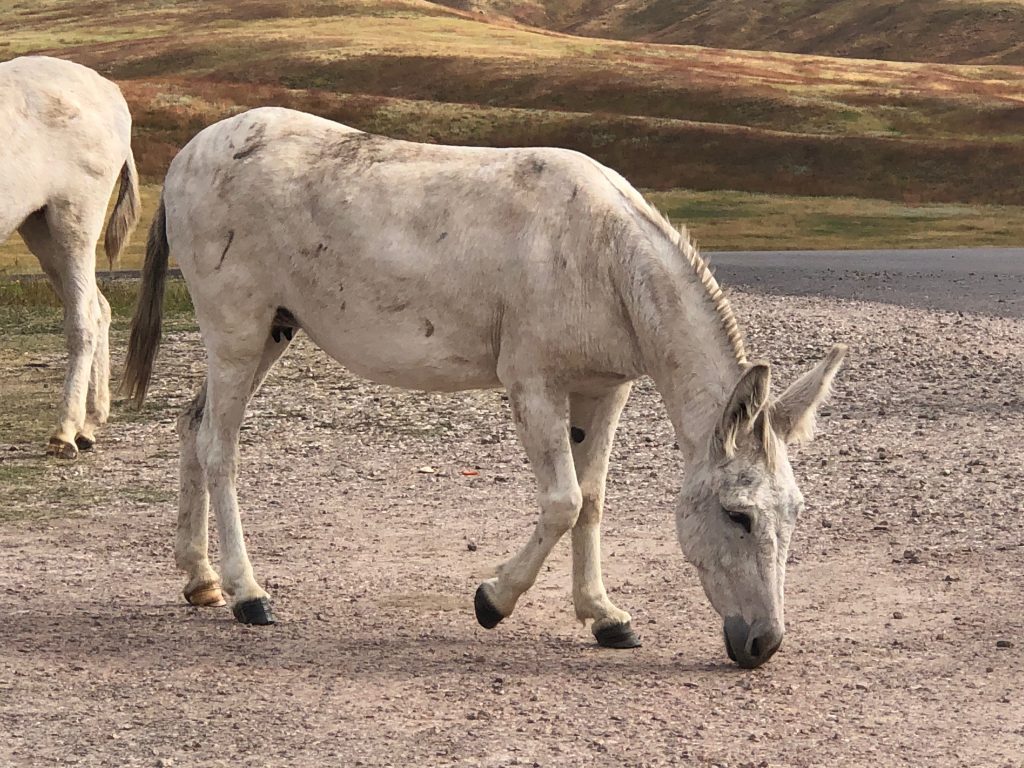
125 215
145 337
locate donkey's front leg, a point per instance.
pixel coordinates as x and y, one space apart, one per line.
594 419
540 416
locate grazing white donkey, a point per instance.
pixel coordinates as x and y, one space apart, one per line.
449 268
66 141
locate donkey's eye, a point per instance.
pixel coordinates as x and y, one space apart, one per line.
740 518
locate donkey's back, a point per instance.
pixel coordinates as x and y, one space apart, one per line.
412 264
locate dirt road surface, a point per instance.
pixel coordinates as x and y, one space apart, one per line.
905 643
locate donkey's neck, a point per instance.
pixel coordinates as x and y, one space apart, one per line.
688 338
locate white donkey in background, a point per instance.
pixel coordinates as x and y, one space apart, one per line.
66 140
450 268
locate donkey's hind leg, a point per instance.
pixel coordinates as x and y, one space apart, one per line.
68 263
541 416
191 546
210 454
594 419
191 549
97 401
63 237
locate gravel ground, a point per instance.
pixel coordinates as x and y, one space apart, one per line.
905 618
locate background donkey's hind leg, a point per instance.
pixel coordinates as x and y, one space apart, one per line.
67 258
97 400
192 542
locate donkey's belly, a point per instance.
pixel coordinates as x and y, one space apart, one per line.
411 353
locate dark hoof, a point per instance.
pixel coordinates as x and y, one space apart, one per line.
486 613
254 611
617 636
84 443
60 449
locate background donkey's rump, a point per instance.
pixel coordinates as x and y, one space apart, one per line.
67 133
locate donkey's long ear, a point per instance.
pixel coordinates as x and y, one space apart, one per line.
795 413
745 405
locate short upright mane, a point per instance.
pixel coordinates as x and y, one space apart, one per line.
688 248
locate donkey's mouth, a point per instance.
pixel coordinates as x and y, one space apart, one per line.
747 648
728 648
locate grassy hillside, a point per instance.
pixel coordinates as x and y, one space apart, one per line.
955 31
667 117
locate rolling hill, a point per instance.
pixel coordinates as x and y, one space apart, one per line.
952 31
668 117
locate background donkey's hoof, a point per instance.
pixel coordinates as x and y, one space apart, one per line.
616 636
206 595
254 611
85 442
486 613
61 449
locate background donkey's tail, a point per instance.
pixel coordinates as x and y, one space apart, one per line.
125 215
145 338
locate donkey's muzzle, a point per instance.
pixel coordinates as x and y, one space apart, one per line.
748 646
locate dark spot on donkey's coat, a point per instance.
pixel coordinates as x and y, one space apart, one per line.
196 407
253 142
231 239
314 252
357 150
248 149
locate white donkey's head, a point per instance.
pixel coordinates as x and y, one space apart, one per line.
740 501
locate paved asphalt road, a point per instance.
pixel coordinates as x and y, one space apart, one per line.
983 280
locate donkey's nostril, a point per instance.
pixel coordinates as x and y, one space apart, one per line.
755 647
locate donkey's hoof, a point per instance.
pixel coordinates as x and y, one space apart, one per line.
255 611
85 442
486 613
616 636
61 449
205 595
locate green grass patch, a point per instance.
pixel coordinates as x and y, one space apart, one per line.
728 220
30 306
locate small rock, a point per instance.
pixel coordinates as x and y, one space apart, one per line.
1004 644
471 545
897 614
427 471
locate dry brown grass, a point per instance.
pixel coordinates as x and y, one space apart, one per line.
987 31
665 116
